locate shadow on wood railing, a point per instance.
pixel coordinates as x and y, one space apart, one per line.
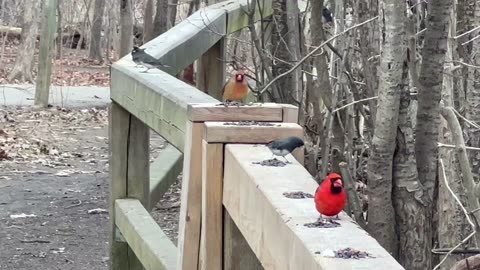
233 214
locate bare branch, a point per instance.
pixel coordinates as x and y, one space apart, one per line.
353 103
352 195
299 63
466 33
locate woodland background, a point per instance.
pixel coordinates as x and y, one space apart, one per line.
389 92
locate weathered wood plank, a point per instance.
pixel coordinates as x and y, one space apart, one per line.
119 125
159 100
187 41
211 70
224 132
237 254
191 199
212 209
138 178
164 172
273 224
147 240
255 112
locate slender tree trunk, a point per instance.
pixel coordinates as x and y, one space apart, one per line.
22 70
96 31
429 95
59 30
473 97
286 50
160 23
381 215
148 21
126 27
45 53
172 13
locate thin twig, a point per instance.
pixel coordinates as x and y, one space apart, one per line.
442 251
353 103
466 33
299 63
353 200
466 120
466 215
453 146
471 40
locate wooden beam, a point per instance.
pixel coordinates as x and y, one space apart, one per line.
145 237
119 125
164 172
211 70
159 100
215 112
237 254
225 132
191 199
290 115
184 43
273 224
212 209
138 170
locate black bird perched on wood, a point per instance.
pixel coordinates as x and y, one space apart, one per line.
140 57
283 147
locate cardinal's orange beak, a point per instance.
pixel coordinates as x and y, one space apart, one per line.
239 77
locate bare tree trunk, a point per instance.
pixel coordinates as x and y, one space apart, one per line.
148 21
473 97
160 23
22 70
126 27
172 13
429 96
59 30
96 31
45 54
381 215
286 50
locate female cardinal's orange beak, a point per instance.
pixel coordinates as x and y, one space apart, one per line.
239 77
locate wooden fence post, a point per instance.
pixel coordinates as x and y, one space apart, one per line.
128 175
211 70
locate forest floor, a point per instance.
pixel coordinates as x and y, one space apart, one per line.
54 189
54 180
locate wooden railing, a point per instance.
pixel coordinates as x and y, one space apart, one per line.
233 214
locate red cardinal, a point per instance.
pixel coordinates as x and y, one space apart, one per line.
330 196
236 89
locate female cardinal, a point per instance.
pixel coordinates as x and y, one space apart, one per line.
330 196
236 89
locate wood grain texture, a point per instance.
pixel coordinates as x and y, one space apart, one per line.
191 199
138 167
211 70
223 132
212 209
119 125
164 172
273 224
237 254
146 239
255 112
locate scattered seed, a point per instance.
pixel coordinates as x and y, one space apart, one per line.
271 162
297 195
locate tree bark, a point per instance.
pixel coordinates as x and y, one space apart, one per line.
22 70
96 31
473 98
45 58
148 21
160 23
172 13
381 217
126 27
286 50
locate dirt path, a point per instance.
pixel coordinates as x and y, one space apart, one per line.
55 167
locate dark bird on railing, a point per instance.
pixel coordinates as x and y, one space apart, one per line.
330 196
283 147
236 89
140 57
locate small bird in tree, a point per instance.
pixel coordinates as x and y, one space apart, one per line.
140 57
327 15
330 196
283 147
236 89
